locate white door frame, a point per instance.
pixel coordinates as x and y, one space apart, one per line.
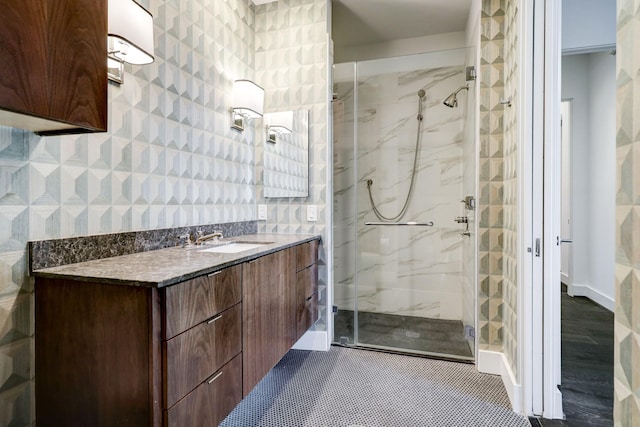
566 225
540 297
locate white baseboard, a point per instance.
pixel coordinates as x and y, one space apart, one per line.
313 340
594 295
494 362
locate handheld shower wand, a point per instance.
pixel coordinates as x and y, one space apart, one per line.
376 211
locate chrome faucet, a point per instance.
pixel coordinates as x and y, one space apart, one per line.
203 238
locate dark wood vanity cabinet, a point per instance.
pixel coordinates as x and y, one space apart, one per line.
122 355
179 355
53 74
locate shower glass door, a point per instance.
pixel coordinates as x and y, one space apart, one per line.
400 283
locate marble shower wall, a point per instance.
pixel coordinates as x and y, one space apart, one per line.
627 274
293 64
413 271
169 159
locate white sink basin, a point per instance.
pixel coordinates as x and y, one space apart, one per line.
233 248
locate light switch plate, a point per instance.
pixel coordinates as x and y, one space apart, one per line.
262 212
312 213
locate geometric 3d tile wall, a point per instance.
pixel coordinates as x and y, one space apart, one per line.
627 272
491 185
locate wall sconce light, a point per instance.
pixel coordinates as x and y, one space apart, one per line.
130 37
278 123
248 102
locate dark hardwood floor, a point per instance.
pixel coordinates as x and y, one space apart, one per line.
587 364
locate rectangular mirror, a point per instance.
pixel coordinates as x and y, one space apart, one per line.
286 157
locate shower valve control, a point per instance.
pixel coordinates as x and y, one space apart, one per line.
462 219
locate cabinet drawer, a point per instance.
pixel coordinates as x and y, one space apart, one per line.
306 315
196 300
306 254
212 401
193 355
307 283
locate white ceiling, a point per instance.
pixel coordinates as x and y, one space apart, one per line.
358 22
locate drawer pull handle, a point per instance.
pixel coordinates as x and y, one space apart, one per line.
215 377
218 317
214 274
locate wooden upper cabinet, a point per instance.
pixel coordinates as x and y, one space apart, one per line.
53 76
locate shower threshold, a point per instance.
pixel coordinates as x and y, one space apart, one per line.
434 338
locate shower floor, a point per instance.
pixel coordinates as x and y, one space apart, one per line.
406 334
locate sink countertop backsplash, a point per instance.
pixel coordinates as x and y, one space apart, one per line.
164 267
57 252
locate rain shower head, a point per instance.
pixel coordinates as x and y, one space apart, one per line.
452 100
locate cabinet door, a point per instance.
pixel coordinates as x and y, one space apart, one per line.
268 304
212 401
53 76
306 299
77 72
23 57
200 351
194 301
306 254
96 360
307 314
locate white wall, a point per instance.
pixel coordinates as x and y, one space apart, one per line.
575 87
400 47
588 25
589 81
602 130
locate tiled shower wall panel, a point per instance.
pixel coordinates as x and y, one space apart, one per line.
293 64
627 275
169 159
414 271
491 178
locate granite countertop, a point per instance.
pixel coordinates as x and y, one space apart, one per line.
164 267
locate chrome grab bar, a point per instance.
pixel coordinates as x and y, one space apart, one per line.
413 223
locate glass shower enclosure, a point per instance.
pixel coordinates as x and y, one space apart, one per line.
405 284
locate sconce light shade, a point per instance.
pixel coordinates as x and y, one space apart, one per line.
248 98
248 101
278 123
130 32
281 121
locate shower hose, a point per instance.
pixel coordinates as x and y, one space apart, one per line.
399 216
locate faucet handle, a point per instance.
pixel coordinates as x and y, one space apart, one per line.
185 240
